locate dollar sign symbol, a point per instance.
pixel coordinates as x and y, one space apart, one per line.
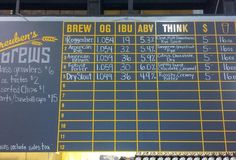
204 28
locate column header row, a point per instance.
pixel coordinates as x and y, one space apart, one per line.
148 28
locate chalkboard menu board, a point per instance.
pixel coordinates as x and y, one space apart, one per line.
29 80
108 84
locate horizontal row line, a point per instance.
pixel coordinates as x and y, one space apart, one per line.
114 53
142 110
149 44
138 120
154 90
156 131
147 71
154 141
173 53
156 81
152 131
148 100
151 62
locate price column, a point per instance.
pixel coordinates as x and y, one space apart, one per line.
76 112
125 87
209 89
226 40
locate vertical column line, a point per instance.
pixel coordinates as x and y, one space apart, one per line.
157 91
220 84
94 84
59 110
199 87
136 87
114 86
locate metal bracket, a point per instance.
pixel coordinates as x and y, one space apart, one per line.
94 7
130 7
229 7
17 9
